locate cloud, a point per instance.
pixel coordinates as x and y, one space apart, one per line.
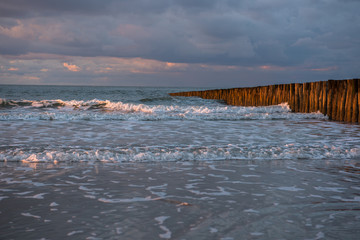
71 67
31 78
325 69
216 32
13 69
113 71
225 34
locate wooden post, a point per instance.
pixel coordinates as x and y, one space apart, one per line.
292 97
349 100
330 95
354 102
296 97
358 100
321 97
317 96
301 102
334 88
306 91
311 93
324 92
342 99
339 99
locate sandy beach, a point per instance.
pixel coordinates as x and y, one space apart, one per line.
182 200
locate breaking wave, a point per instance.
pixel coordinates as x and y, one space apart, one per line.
107 110
176 153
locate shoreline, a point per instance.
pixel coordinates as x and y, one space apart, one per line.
227 199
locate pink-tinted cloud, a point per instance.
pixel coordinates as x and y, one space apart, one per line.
37 56
273 68
265 67
132 65
13 69
31 78
325 69
36 30
71 67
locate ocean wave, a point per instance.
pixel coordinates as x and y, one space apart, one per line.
57 103
158 99
107 110
188 153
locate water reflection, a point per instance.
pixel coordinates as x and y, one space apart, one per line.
210 199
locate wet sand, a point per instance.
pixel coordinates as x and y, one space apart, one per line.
275 199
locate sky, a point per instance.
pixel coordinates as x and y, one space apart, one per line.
192 43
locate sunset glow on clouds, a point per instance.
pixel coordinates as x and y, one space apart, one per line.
178 43
71 67
13 69
325 69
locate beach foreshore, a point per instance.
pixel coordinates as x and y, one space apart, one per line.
239 199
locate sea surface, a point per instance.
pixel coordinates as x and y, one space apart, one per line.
136 163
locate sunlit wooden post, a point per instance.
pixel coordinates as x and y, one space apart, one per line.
338 99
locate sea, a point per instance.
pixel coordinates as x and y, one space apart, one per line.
86 162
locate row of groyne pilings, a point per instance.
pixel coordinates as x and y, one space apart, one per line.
338 99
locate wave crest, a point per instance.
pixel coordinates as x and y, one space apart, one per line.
107 110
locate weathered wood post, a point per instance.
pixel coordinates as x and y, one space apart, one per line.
338 99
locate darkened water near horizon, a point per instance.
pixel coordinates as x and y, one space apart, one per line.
136 163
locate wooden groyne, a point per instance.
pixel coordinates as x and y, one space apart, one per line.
338 99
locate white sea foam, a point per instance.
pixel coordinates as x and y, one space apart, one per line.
355 199
23 193
251 211
37 196
291 189
220 191
95 110
125 200
167 233
173 153
330 189
30 215
53 204
161 219
3 197
74 232
170 129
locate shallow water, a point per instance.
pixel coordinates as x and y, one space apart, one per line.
141 141
277 199
135 163
117 124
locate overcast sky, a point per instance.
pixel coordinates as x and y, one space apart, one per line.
200 43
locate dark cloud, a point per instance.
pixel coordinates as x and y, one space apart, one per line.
247 33
24 9
40 8
10 46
